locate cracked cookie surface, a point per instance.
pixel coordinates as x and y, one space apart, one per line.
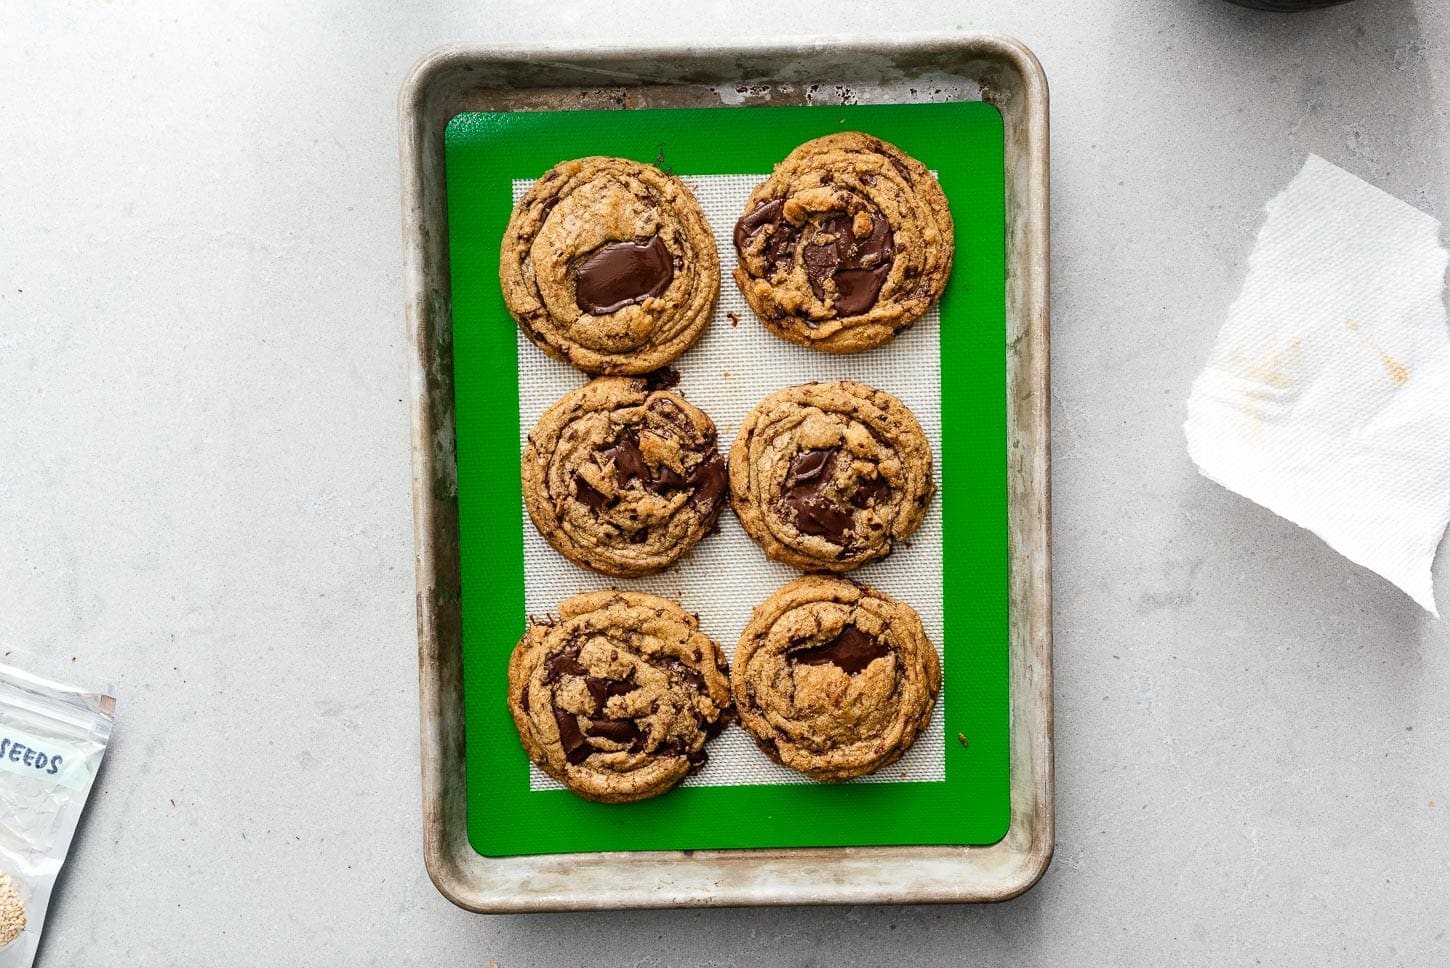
829 476
848 241
623 476
834 679
609 265
617 697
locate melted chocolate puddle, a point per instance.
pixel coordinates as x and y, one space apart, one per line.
810 474
851 651
619 274
708 480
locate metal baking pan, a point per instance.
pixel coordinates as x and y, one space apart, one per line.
957 66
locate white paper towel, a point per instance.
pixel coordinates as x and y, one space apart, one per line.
1327 396
736 364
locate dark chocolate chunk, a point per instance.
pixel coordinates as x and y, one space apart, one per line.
707 478
713 729
666 476
820 517
564 663
600 689
709 481
874 491
851 651
662 379
669 411
619 274
751 224
588 494
616 730
576 748
692 676
629 462
779 249
858 266
812 467
810 473
896 162
857 289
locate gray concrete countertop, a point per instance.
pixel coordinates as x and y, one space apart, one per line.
204 495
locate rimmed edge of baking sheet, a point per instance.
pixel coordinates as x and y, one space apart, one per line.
957 66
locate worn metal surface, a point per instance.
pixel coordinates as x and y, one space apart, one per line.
839 70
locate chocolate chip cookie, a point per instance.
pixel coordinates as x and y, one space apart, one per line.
834 679
617 697
829 476
846 243
623 476
610 265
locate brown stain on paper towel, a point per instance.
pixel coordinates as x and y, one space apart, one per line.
1271 374
1398 373
1268 370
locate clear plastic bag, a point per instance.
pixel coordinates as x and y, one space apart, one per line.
52 738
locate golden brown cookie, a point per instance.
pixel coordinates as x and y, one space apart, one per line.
617 697
610 265
834 679
829 476
846 243
623 476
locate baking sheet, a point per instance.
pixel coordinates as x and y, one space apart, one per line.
943 66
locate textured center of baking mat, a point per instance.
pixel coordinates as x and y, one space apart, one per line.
726 374
952 786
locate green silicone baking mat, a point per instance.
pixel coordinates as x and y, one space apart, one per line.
952 787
